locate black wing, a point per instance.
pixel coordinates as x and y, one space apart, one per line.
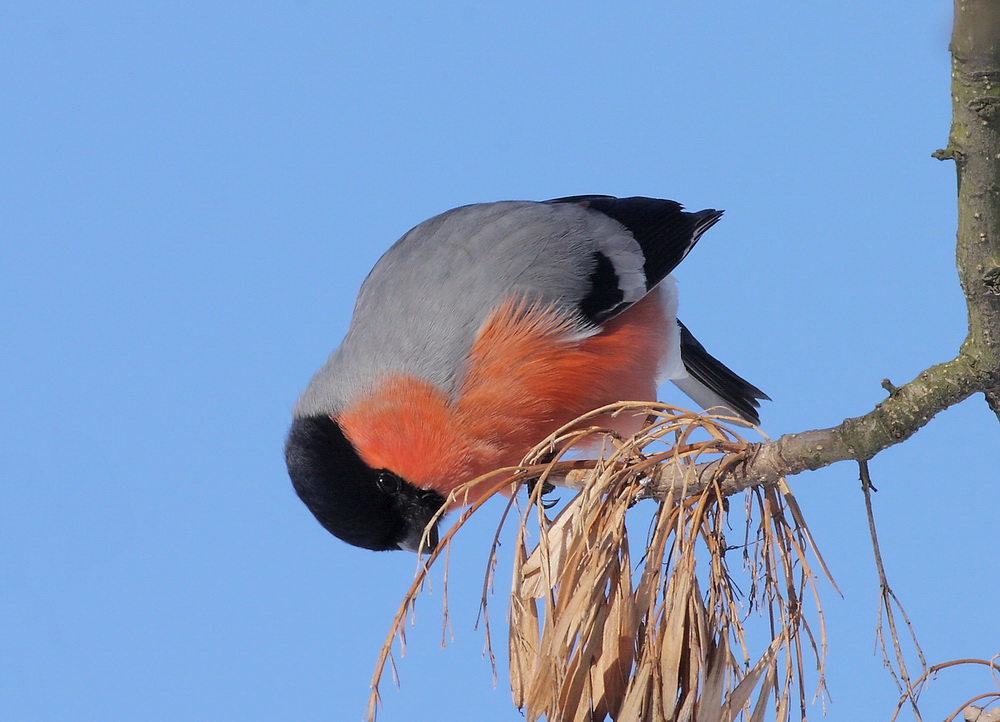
664 230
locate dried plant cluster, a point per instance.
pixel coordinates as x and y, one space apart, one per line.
594 635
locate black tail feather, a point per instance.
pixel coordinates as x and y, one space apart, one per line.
738 393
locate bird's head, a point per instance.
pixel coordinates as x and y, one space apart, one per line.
370 508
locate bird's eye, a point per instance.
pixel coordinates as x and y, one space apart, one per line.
389 482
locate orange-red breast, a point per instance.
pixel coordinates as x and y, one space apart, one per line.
480 332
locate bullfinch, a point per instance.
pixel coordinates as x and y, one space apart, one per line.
479 333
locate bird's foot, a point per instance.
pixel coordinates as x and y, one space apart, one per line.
547 489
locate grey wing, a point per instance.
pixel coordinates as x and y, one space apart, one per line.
423 303
664 231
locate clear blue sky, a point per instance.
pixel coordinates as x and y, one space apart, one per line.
192 193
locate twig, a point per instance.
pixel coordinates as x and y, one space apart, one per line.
923 678
886 601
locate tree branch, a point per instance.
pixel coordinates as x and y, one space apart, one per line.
974 144
894 420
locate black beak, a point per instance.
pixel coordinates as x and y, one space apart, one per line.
412 541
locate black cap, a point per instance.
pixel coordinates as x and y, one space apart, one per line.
370 508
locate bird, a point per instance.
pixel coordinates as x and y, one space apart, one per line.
477 334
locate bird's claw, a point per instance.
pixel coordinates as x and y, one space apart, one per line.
547 489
